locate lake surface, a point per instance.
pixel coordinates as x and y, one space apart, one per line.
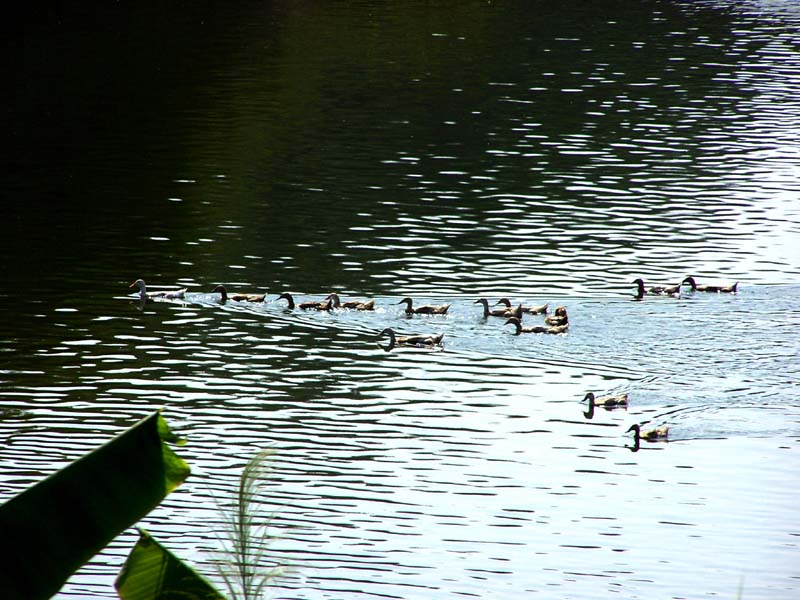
447 153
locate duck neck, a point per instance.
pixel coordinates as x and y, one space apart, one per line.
392 339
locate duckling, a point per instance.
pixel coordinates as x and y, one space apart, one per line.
726 289
326 304
499 312
146 296
559 317
648 434
536 328
531 310
428 309
411 340
351 304
225 296
656 290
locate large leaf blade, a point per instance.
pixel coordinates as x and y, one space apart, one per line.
153 573
48 531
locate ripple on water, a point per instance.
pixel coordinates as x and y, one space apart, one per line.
666 148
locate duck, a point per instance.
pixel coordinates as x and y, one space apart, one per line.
606 401
428 309
656 290
149 296
326 304
531 310
351 304
418 340
225 296
659 433
499 312
536 328
559 317
725 289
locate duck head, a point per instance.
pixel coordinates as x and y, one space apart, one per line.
288 297
516 323
139 283
334 298
392 338
639 283
589 397
220 289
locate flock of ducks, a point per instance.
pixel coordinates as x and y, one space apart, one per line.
554 324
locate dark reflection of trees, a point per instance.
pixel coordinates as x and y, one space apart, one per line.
310 113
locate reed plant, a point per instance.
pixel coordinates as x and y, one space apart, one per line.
242 560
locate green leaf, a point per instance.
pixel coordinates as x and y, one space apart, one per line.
48 531
153 573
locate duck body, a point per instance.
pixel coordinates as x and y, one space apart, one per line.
315 305
428 309
225 296
418 340
311 305
499 312
656 290
559 317
649 434
667 290
519 329
531 310
351 304
725 289
149 296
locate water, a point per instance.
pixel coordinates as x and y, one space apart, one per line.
447 154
